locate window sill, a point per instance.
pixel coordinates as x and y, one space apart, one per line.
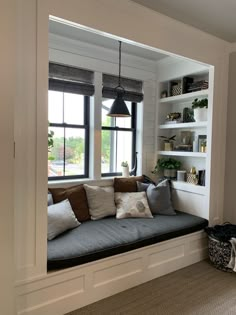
72 182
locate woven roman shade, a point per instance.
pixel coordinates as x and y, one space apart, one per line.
69 79
133 88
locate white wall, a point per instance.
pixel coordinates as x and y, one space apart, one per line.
230 165
138 24
7 99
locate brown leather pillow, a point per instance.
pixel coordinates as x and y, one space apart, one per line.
77 197
126 184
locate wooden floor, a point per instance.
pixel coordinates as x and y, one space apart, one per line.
199 289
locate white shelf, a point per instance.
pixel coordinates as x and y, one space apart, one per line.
183 153
183 97
202 124
201 190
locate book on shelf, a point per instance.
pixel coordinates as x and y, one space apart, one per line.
187 81
198 86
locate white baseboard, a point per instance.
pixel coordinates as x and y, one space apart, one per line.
62 291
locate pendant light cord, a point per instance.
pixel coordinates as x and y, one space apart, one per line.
119 62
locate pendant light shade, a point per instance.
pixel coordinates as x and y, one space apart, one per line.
119 108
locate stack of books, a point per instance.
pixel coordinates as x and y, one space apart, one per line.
198 86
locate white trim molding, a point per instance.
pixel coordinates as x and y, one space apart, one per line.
63 291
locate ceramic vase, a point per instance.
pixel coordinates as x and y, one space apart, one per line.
125 171
170 174
200 114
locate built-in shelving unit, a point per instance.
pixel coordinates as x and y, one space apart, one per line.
190 125
183 153
201 190
183 97
170 103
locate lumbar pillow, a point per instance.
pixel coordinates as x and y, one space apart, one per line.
60 219
101 201
159 197
77 197
126 184
133 205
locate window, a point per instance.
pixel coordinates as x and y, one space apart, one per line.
68 115
118 139
69 94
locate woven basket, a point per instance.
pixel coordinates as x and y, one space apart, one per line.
176 89
219 253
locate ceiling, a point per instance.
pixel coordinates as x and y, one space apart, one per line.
216 17
75 33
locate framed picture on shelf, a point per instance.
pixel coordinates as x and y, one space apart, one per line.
202 143
201 177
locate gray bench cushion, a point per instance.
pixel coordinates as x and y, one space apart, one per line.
94 240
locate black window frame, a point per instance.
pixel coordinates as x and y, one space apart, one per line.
132 129
86 127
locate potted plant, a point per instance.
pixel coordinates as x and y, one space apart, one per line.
169 166
168 142
50 140
125 169
50 144
200 109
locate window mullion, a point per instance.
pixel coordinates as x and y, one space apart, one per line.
64 152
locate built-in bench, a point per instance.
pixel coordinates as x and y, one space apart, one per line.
94 240
110 255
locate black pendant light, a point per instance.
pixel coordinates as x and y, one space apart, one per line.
119 108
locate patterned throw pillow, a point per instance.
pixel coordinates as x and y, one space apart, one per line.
132 205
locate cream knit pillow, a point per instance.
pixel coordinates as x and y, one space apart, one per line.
101 201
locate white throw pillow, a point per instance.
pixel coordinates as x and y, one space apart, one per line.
101 201
60 219
132 205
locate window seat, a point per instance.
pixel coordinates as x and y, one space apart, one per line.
95 240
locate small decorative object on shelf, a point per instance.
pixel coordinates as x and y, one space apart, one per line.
168 142
192 176
188 115
186 142
195 144
184 147
202 143
125 169
169 166
173 118
164 94
181 176
200 109
186 137
203 147
201 177
176 88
